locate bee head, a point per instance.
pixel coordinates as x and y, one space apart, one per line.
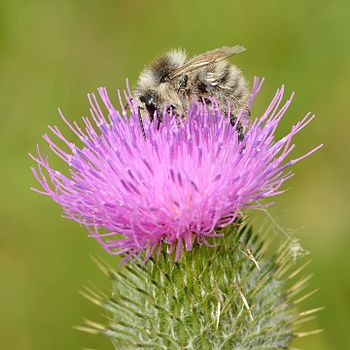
149 100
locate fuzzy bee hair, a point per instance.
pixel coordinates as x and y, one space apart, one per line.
174 80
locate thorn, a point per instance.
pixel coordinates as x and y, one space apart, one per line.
92 296
300 284
94 324
243 299
218 310
303 320
312 311
301 268
86 330
305 334
250 256
100 264
301 299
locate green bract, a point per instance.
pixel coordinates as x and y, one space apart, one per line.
231 296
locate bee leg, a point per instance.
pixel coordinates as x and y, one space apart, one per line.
238 126
127 104
181 90
159 118
141 124
183 82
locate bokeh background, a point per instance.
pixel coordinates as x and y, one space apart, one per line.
53 52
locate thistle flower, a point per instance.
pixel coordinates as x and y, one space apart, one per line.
172 183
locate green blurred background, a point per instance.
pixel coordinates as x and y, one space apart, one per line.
53 52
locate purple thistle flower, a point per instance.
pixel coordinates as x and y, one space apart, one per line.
177 185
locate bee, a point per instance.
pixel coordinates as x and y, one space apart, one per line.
175 81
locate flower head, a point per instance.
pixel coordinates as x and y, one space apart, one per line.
172 183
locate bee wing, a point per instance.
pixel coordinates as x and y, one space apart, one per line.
206 58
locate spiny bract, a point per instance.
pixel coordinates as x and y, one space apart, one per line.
230 296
